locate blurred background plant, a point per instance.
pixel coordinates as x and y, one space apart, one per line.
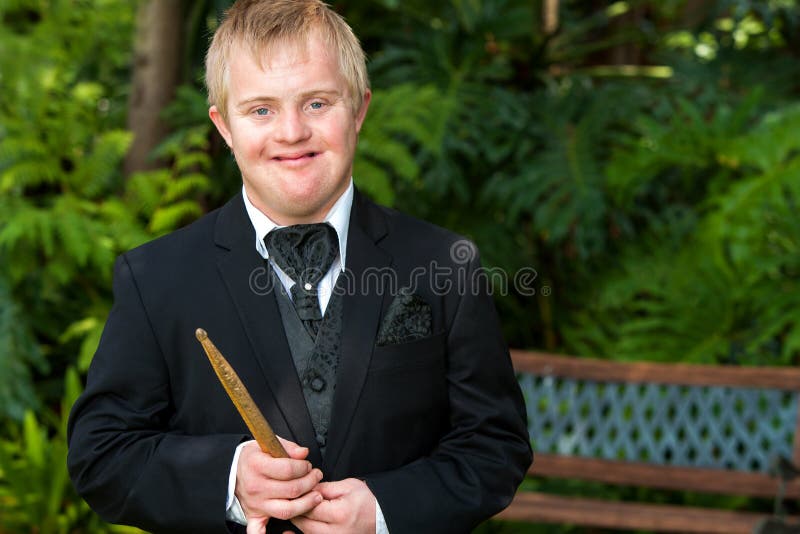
641 156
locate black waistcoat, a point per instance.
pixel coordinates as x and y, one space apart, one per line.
315 361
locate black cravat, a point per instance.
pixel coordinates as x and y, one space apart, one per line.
304 252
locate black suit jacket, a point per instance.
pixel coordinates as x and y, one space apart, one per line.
436 426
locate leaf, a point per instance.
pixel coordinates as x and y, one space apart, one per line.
185 185
89 346
72 390
19 355
374 181
399 122
33 438
172 216
96 173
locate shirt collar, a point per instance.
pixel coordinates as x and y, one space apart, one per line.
338 217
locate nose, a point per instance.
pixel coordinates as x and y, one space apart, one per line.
291 127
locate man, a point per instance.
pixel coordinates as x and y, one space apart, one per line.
361 333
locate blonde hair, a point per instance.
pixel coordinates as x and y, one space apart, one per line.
261 25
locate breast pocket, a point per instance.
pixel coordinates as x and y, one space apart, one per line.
418 354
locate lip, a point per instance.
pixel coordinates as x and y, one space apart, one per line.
296 156
295 160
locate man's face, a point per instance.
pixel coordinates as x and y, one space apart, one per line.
292 129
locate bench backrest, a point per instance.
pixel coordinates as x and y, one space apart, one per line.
676 426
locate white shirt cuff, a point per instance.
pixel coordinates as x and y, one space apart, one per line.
380 522
233 510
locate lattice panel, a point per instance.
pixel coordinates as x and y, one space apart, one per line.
716 427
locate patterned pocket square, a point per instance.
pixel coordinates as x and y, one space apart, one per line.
408 318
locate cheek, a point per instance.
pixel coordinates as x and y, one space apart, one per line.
249 143
343 139
338 131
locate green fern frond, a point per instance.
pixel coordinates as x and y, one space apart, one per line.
97 172
15 148
183 141
19 355
770 143
144 189
29 173
185 185
124 227
192 161
392 154
558 181
173 216
88 330
74 239
400 124
374 181
727 292
30 226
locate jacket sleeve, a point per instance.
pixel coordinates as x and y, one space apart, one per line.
123 458
479 462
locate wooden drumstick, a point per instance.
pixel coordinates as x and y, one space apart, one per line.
241 398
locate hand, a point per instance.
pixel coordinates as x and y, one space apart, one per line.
275 487
349 506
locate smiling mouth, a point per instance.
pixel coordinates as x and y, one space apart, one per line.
296 157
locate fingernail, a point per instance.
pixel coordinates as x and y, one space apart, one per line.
318 498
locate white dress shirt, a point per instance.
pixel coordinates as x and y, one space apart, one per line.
339 218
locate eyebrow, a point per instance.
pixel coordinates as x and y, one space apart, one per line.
303 96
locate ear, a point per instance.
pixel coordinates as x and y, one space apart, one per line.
222 126
362 113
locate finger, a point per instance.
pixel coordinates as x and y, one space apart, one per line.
253 459
286 468
293 449
279 468
290 508
332 490
290 489
325 512
254 491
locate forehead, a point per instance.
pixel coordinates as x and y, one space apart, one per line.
305 65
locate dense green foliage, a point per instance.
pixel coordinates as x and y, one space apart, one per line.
644 160
66 211
643 202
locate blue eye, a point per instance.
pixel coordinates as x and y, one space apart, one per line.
262 111
317 105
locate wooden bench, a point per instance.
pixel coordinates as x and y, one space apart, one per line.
696 428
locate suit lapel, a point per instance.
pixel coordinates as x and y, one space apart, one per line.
361 306
247 280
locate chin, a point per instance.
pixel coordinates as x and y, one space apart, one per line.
304 211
